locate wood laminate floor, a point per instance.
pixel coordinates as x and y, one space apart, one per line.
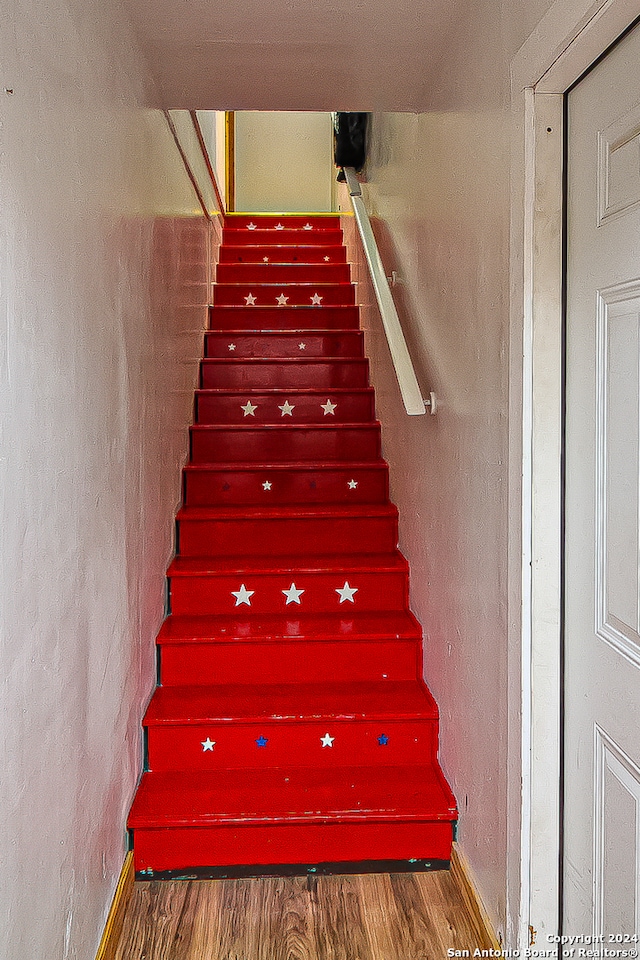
372 917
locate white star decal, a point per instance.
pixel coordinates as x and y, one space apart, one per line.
243 595
232 347
292 594
327 741
287 409
352 484
302 346
346 592
251 226
281 300
316 300
265 259
307 226
279 226
208 744
326 259
249 408
329 408
250 300
267 485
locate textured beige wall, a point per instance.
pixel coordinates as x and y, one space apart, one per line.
102 306
438 187
284 162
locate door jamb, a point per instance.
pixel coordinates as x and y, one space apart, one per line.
565 43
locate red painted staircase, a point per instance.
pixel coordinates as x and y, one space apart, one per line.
291 727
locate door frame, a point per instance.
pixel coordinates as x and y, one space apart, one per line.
568 39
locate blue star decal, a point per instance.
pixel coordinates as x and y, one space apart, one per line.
262 741
383 739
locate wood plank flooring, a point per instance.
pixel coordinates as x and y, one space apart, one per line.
372 917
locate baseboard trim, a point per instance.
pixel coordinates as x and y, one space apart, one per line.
461 872
113 926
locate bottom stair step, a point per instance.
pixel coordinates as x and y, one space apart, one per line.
302 815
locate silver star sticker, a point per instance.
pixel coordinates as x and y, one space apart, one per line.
326 259
329 408
250 300
267 485
346 592
243 595
279 226
251 226
352 484
249 408
316 300
265 259
287 409
208 744
292 594
302 346
327 741
232 347
307 226
281 300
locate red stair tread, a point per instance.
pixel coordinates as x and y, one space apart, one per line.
356 626
296 795
207 566
381 700
330 511
308 465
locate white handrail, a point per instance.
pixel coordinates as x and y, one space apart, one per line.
405 374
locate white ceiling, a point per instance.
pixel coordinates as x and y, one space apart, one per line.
293 54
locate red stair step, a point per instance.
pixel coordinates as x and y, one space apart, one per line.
290 294
299 373
281 253
363 583
277 649
295 344
336 317
271 272
287 230
291 816
278 531
224 443
271 221
334 724
293 483
338 405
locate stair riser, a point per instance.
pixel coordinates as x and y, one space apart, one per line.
294 346
284 318
262 375
289 660
176 848
232 408
279 537
300 295
269 221
238 238
283 273
279 253
290 744
377 590
210 488
282 445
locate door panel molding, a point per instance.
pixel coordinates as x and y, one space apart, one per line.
622 632
611 759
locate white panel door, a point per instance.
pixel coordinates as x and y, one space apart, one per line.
602 544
